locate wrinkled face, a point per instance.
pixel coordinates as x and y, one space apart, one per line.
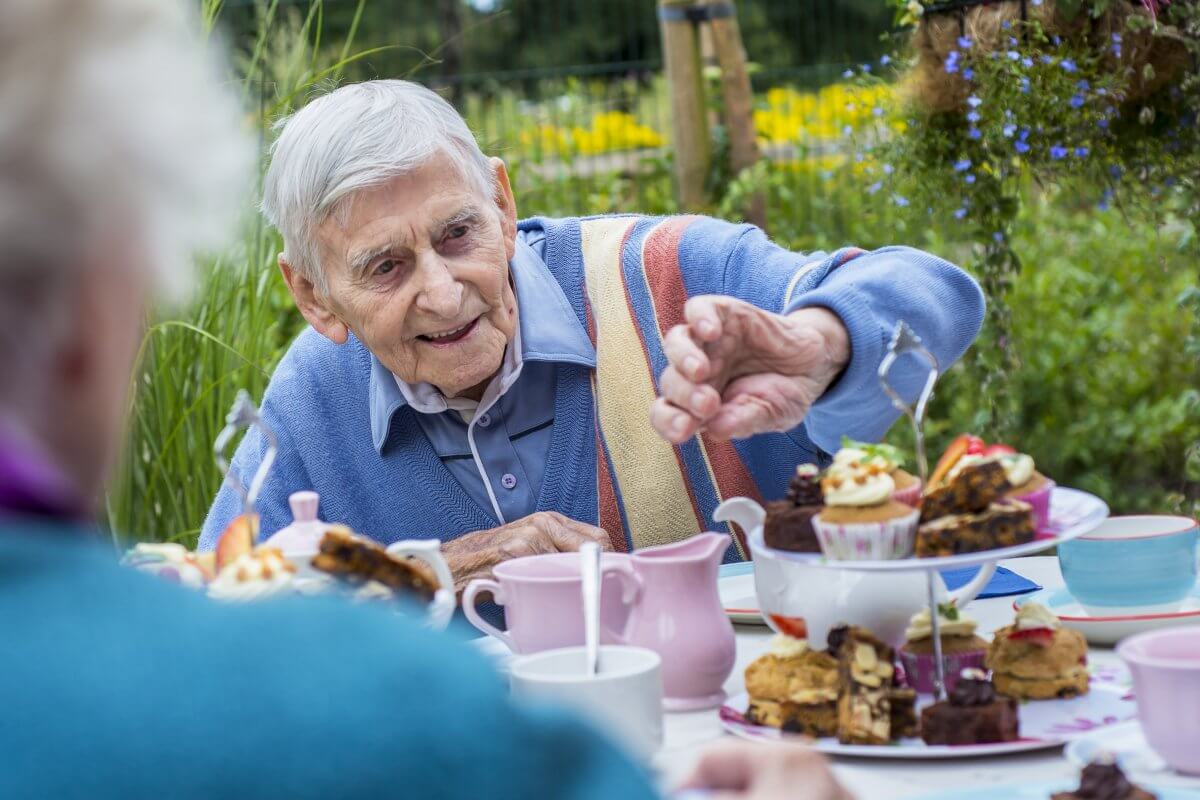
419 273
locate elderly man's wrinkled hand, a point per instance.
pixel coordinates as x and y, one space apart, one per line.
473 555
736 370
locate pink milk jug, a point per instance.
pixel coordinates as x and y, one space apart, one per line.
679 615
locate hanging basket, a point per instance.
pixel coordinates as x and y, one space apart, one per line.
984 21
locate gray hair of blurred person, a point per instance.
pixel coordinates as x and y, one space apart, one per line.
114 128
355 138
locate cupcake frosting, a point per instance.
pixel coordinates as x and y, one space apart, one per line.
861 453
951 623
786 646
1033 616
857 486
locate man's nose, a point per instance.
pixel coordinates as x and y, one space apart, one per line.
441 294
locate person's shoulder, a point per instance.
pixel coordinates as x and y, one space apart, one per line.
315 372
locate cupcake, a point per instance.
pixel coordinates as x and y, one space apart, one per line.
860 519
257 575
908 486
789 522
961 648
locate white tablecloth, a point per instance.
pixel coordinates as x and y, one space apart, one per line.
687 734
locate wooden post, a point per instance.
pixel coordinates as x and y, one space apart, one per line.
689 124
739 104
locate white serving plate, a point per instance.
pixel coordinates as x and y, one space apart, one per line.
1108 630
1044 724
1073 513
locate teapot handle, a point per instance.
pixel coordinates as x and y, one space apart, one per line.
965 594
441 607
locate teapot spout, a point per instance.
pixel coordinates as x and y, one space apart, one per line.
743 511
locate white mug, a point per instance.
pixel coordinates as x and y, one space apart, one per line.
624 699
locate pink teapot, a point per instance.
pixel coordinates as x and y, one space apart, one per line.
678 614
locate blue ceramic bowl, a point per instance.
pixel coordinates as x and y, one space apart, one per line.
1136 563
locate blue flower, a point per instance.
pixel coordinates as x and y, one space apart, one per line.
974 133
1104 200
1009 130
1102 123
1081 152
900 200
1024 85
874 187
1114 172
973 116
1056 40
1047 59
1006 25
974 102
865 67
884 60
962 165
965 42
1021 146
968 74
1012 41
998 237
1035 2
877 111
1026 62
1067 65
1012 55
1116 37
1058 152
1116 50
1083 86
847 130
888 169
1077 101
1024 136
960 213
970 177
952 62
848 74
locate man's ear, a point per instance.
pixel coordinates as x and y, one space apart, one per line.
506 204
313 307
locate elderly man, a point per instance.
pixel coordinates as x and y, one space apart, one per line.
117 684
515 387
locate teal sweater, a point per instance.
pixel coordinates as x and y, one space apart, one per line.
120 685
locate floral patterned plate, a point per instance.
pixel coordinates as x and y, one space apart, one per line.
1044 723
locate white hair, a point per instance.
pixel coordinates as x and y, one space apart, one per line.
353 138
113 128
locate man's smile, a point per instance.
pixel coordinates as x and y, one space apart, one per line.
451 336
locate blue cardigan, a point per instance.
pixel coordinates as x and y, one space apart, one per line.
121 685
320 399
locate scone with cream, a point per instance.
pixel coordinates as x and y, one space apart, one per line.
1036 658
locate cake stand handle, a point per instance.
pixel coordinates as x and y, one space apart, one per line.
939 668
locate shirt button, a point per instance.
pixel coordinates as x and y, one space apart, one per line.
508 480
484 420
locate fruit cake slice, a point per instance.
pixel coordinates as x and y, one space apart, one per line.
864 704
351 557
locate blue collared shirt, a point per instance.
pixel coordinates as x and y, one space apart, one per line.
511 430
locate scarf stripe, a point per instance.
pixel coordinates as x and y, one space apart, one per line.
724 471
650 484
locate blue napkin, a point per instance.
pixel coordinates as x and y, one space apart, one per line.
1005 582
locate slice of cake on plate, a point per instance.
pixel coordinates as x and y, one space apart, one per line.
794 687
973 714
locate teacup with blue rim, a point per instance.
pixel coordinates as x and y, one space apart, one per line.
1138 564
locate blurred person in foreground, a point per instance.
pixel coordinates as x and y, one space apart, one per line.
519 386
119 156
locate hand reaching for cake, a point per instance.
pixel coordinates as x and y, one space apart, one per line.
736 370
473 555
746 771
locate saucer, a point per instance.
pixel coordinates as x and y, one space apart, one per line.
1041 790
1112 628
